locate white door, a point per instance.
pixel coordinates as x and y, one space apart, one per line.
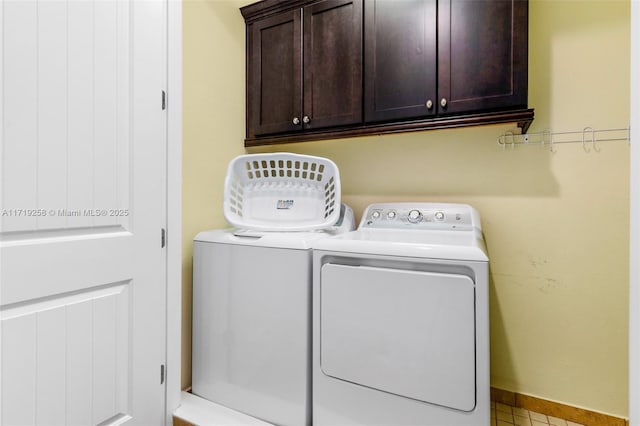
82 207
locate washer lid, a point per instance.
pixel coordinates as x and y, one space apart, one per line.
286 240
458 245
279 239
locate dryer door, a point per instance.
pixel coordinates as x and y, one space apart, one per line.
408 333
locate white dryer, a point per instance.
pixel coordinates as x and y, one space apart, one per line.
401 319
252 320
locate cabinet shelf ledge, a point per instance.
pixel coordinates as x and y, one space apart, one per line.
522 117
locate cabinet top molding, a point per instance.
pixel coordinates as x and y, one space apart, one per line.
264 8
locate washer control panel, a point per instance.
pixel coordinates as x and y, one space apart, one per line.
420 216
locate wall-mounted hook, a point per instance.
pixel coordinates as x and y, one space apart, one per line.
584 141
593 139
505 137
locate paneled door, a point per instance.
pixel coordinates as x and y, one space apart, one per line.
82 212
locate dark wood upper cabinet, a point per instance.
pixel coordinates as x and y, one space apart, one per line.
275 66
482 55
332 63
305 68
325 69
476 49
400 59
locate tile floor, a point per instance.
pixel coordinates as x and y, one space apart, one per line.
504 415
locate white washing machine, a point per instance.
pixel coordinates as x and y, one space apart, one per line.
401 319
252 320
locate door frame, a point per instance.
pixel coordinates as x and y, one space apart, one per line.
634 229
174 207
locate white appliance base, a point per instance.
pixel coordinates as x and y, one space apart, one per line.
202 412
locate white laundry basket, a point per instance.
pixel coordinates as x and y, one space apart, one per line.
282 192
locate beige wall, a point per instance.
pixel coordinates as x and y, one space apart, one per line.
556 224
213 127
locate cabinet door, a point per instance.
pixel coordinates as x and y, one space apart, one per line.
482 49
275 81
400 59
333 63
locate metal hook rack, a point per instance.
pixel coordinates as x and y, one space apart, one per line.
588 137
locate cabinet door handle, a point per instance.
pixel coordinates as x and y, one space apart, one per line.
306 119
295 121
443 102
429 104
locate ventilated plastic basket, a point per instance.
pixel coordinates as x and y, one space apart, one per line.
282 192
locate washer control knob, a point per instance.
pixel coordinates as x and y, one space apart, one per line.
375 214
414 216
391 214
439 216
